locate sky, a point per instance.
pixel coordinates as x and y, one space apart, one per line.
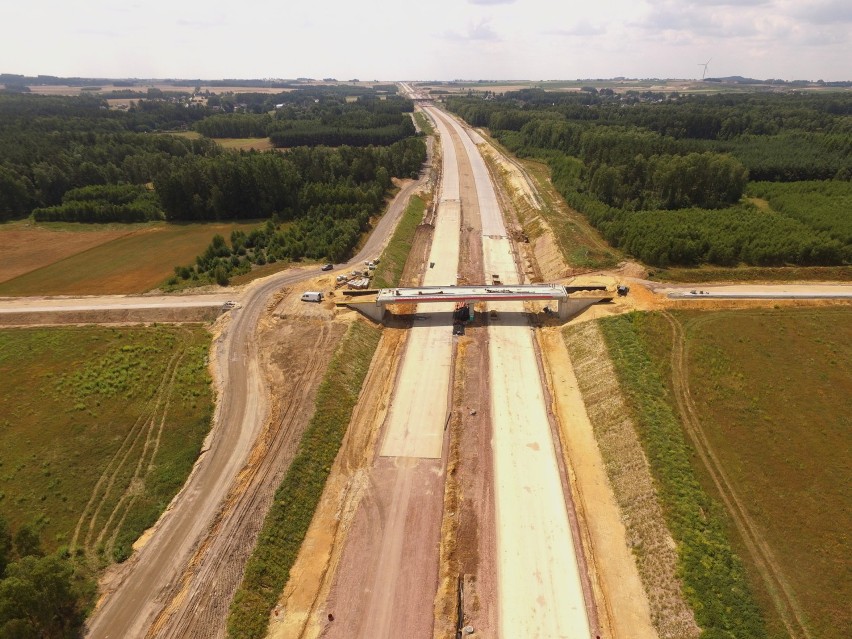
428 39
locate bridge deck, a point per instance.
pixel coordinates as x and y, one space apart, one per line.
494 292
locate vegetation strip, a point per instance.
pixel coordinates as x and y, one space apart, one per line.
396 253
299 493
714 578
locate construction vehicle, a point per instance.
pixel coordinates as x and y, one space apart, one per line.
462 313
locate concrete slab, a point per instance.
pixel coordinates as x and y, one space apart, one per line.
418 413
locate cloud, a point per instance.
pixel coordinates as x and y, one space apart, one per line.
704 19
201 24
825 12
480 31
581 28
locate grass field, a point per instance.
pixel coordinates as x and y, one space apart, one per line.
245 144
773 392
119 258
99 429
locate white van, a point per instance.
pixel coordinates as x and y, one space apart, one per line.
312 296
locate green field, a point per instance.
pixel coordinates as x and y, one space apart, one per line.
99 429
771 391
134 263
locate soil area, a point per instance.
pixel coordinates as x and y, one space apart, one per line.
300 613
198 603
19 256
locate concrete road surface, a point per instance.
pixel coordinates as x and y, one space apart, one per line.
539 583
109 302
758 291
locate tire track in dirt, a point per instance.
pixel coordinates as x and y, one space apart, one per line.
136 484
143 426
770 571
197 605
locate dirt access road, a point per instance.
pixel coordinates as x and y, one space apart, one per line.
138 591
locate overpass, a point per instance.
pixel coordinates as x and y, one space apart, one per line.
569 300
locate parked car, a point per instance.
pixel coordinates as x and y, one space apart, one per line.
312 296
328 267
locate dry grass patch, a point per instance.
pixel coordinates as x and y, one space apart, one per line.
27 247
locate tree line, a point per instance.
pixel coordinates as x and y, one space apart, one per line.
321 200
329 122
103 203
41 596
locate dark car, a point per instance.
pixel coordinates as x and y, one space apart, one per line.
458 328
328 267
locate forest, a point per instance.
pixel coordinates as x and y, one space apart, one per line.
40 594
330 120
727 179
74 159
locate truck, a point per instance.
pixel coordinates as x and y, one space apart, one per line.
312 296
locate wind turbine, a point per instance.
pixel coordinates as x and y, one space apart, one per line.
705 67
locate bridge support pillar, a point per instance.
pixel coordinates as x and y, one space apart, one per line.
375 312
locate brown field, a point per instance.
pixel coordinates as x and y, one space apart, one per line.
773 393
27 247
118 260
